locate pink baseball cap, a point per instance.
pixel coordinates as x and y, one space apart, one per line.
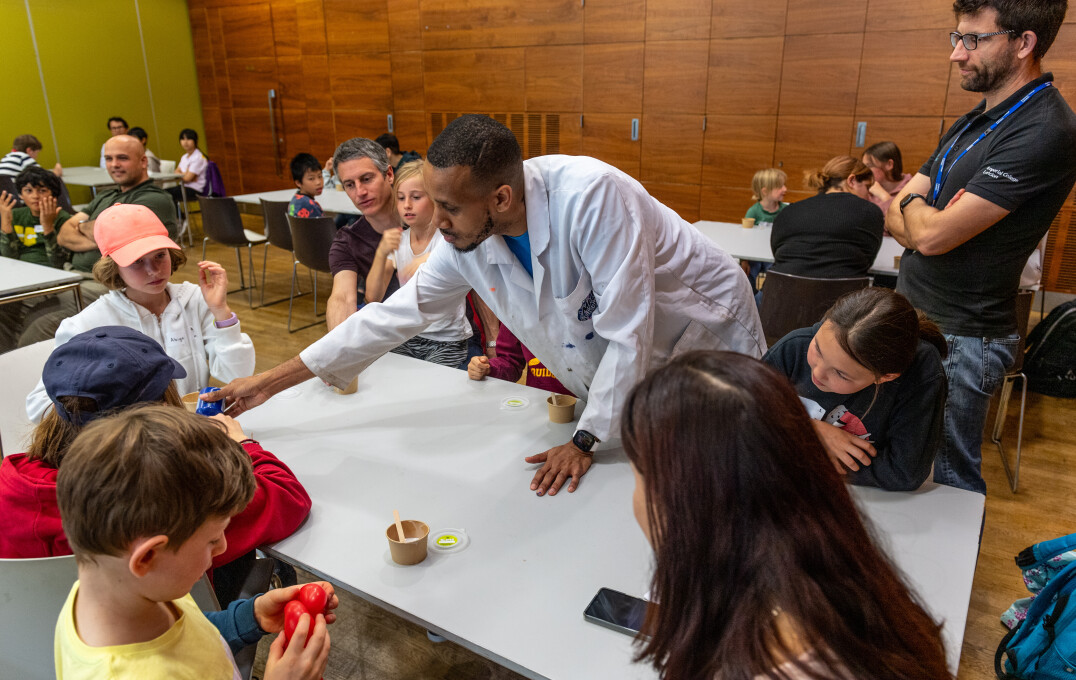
127 232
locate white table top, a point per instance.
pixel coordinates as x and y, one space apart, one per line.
330 200
21 369
94 176
442 449
17 276
754 244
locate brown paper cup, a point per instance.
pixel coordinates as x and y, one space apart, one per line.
191 401
748 222
408 552
351 388
896 262
563 411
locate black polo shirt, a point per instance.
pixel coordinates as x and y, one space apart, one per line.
1027 165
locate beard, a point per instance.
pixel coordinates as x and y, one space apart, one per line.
988 76
487 230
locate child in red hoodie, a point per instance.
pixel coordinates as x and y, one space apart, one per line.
97 372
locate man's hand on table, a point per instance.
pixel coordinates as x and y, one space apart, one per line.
561 462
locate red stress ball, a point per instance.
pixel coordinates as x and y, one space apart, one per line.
311 600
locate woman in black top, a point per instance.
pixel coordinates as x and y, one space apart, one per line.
835 234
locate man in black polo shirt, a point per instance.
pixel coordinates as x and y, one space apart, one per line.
980 205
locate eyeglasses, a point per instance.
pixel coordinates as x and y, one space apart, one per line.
971 40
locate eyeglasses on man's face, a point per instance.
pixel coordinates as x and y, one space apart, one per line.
971 40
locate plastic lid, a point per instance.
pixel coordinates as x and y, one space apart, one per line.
449 540
514 403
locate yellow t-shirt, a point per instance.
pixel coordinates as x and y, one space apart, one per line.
192 648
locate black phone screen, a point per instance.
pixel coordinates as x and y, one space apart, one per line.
613 609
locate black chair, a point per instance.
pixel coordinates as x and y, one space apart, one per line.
222 223
311 238
278 234
790 302
64 199
1023 314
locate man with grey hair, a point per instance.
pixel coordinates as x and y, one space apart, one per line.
362 167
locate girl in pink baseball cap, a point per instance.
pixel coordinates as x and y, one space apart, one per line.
192 322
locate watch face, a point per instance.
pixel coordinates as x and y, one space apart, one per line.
584 440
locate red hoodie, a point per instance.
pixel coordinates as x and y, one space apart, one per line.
513 359
30 517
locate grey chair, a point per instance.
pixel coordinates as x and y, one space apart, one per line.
790 302
33 592
1023 314
278 233
311 238
223 224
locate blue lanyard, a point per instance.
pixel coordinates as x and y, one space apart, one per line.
940 178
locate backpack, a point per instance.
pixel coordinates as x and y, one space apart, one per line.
1050 362
1043 645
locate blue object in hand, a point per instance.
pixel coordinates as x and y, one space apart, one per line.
209 408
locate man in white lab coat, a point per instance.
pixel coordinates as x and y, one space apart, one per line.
596 277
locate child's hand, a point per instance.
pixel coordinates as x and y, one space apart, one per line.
478 368
269 608
49 209
306 655
390 241
232 428
329 165
213 280
7 205
846 451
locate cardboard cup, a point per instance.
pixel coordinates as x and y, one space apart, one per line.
412 549
351 388
896 262
190 401
748 222
563 411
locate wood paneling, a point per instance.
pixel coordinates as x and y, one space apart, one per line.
554 78
833 16
255 151
958 101
808 142
613 78
724 204
452 24
571 135
317 87
311 26
407 87
250 31
352 27
736 148
922 77
410 129
250 81
812 59
903 15
738 19
614 21
677 19
470 80
607 136
285 37
405 29
683 198
323 139
361 81
352 123
674 76
1059 60
745 75
916 137
672 148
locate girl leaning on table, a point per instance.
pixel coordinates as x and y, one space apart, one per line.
192 322
763 568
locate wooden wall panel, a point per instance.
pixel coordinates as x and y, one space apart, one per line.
450 24
316 84
916 137
352 27
220 59
672 148
810 17
613 78
410 129
674 76
361 81
737 147
254 151
958 101
323 140
408 92
311 26
614 21
1059 60
677 19
474 80
352 123
923 76
905 15
682 198
808 142
405 29
745 75
250 31
724 204
738 19
571 135
285 37
810 59
607 136
554 78
291 86
250 81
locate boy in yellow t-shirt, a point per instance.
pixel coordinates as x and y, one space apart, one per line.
145 496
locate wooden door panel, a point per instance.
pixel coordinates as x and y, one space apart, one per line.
678 19
407 89
672 148
738 19
682 198
352 27
807 142
607 137
450 24
916 137
226 154
905 15
674 76
316 83
323 141
745 75
474 80
554 78
405 29
736 148
250 80
810 17
918 83
255 152
809 58
724 204
285 21
361 81
613 78
248 30
614 21
220 61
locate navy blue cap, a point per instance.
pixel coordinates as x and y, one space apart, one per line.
115 366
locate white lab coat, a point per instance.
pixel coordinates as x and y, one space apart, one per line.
656 287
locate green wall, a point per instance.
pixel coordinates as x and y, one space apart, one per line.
93 67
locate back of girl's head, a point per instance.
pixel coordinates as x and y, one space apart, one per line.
407 171
835 172
887 151
765 181
747 514
881 330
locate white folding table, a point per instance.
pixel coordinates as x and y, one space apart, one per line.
21 280
449 451
330 200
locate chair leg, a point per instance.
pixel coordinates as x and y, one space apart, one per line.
291 300
239 263
265 258
250 261
1011 473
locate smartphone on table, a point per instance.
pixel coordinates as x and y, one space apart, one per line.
616 610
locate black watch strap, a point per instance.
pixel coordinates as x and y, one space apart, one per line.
908 199
584 441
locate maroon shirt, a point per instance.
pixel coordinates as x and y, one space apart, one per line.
353 250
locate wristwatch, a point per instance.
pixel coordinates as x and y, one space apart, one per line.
491 344
908 199
584 441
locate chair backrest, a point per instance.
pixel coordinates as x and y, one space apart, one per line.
1023 318
221 220
65 198
7 183
214 182
33 593
311 238
276 223
21 369
790 302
